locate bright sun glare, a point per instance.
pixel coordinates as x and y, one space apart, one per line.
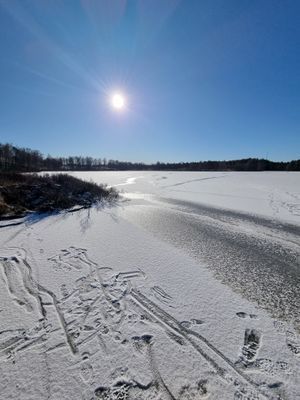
118 101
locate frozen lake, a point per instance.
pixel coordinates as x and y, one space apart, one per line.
271 194
186 289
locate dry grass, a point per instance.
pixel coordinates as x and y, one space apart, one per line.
22 193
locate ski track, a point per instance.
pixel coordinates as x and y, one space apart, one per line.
98 310
193 180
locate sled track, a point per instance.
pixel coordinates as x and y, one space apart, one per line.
110 295
208 351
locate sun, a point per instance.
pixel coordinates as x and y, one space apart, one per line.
118 101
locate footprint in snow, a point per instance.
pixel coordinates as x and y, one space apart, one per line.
242 314
189 324
198 391
86 371
252 342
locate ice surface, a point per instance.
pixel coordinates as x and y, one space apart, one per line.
271 194
96 305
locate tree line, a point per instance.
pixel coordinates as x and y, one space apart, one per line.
19 159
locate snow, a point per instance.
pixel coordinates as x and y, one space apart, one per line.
270 194
92 305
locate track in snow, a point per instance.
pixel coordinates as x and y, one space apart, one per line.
258 257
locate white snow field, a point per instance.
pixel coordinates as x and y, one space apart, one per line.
188 288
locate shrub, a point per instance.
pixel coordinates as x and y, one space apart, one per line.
31 192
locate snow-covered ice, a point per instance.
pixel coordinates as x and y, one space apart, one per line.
132 302
271 194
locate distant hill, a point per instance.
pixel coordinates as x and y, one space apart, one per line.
19 159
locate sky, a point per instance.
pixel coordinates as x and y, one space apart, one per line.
202 79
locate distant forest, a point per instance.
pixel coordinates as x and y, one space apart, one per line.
18 159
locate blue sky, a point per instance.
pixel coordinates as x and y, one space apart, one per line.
211 79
